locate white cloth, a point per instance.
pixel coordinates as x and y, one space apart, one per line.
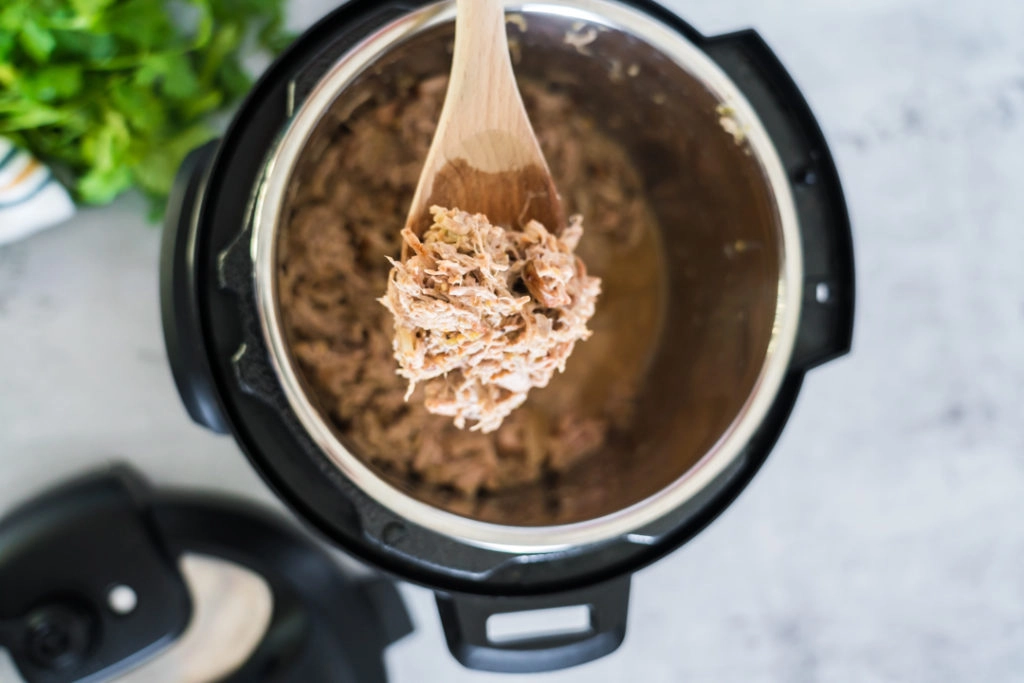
31 199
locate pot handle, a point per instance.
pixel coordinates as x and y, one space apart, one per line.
826 325
464 619
183 334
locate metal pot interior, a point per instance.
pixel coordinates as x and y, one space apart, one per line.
726 309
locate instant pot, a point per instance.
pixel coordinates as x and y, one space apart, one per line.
756 245
107 577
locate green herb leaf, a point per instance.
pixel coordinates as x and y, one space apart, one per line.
95 49
52 82
23 116
141 107
145 23
37 41
155 172
113 94
6 43
101 185
88 8
233 77
173 74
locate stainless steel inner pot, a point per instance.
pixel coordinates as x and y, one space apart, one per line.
730 243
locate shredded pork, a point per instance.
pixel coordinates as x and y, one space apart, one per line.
484 314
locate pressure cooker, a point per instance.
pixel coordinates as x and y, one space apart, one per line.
729 154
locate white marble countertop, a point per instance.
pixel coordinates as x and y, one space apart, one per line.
884 539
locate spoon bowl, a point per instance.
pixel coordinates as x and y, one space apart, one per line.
485 157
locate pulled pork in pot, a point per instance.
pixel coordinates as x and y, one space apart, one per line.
347 205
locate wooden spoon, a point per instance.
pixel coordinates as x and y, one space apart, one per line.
485 157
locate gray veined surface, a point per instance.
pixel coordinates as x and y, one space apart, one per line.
883 540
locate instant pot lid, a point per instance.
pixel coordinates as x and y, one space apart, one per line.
235 377
104 577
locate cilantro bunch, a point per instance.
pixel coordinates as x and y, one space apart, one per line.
114 93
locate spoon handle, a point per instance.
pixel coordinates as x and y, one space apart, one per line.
483 87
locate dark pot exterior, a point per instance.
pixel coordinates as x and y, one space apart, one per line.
219 358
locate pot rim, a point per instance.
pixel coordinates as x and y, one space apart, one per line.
534 539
